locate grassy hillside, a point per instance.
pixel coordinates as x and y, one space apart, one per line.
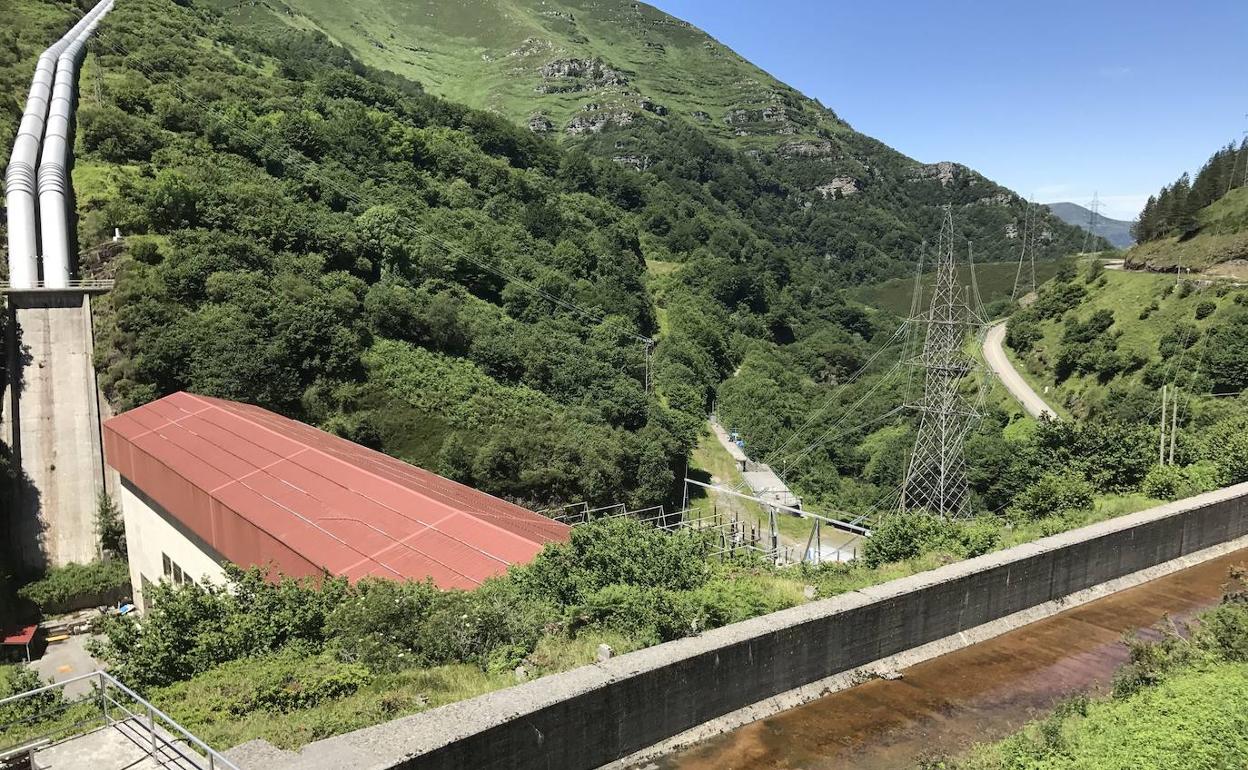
498 54
995 280
632 84
1220 237
1160 328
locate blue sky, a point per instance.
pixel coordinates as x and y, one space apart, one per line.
1058 99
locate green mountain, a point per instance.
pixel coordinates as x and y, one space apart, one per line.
652 92
568 67
331 240
1116 231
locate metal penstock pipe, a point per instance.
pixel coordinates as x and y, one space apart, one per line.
20 177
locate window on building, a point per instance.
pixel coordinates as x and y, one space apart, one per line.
174 572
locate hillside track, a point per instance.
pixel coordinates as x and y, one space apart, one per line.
999 363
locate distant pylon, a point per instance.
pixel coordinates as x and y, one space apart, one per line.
1025 277
1094 215
936 476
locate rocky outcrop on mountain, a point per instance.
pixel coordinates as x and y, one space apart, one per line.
574 75
638 162
540 124
808 150
530 47
595 122
944 172
650 106
841 187
1000 199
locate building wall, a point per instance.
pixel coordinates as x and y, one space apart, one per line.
597 714
152 535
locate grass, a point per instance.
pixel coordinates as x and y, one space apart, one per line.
488 54
1125 294
660 267
995 279
97 183
206 705
1192 721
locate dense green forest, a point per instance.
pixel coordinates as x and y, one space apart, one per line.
1174 210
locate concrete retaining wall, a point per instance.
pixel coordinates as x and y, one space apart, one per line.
597 714
50 419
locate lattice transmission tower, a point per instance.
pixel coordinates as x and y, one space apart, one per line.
936 476
1025 277
1094 218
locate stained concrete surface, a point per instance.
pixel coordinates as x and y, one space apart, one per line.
980 693
50 418
66 660
121 746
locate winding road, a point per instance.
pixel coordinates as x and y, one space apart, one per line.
999 362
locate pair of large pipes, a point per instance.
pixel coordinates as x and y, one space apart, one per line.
46 123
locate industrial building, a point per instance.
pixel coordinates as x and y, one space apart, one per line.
207 481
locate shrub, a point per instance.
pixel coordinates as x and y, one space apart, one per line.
78 586
1205 309
1054 494
1225 444
905 535
286 681
616 552
649 614
380 624
1023 333
725 601
109 526
1172 482
979 536
15 680
191 628
470 626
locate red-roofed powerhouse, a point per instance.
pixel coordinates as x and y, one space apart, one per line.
207 480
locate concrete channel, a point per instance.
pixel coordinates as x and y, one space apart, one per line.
942 707
637 707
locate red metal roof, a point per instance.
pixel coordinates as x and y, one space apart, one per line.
263 489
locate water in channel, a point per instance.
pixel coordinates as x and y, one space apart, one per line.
981 693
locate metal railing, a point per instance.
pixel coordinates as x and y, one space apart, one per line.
89 285
117 705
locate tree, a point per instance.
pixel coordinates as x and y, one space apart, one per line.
109 526
1054 494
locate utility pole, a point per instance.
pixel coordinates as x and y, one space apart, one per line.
1161 446
649 354
1174 420
936 477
